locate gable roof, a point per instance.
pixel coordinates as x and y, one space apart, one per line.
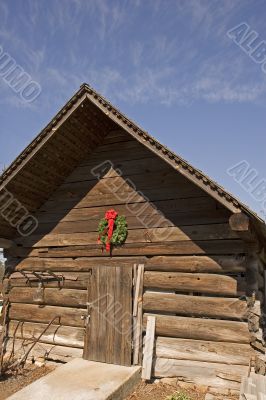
74 131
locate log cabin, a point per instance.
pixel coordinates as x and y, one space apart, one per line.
193 258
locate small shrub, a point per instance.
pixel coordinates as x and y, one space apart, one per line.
179 396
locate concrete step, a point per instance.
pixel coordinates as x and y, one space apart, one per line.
83 380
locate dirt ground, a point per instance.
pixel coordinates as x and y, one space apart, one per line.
161 391
10 384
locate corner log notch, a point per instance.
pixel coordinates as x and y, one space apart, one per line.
241 224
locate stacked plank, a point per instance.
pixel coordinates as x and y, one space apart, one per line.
202 332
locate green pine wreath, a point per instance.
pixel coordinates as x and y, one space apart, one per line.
119 234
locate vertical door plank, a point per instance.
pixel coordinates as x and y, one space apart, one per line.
110 314
102 318
93 337
118 314
87 326
126 301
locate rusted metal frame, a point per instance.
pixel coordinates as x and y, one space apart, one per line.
13 341
41 277
24 358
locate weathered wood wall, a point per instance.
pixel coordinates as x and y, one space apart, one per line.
194 264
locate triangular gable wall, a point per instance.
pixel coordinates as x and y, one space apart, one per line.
78 128
162 207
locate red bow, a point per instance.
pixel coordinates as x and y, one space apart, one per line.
110 216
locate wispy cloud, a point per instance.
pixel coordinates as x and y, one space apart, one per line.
174 52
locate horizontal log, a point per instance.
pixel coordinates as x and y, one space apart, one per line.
133 221
141 209
207 374
149 165
63 280
112 150
52 296
201 329
205 351
56 334
138 182
117 140
6 230
196 282
6 243
221 264
69 265
130 150
197 306
153 219
34 313
110 190
124 195
43 351
119 134
210 247
168 234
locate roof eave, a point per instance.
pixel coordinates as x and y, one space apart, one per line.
43 137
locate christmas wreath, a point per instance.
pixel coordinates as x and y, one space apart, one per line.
112 229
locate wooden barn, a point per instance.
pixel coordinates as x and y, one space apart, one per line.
193 257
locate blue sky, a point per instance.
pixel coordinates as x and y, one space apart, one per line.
167 64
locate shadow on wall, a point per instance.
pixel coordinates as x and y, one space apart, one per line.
162 207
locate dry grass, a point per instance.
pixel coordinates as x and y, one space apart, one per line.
173 390
162 391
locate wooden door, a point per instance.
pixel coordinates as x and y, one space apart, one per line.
109 326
